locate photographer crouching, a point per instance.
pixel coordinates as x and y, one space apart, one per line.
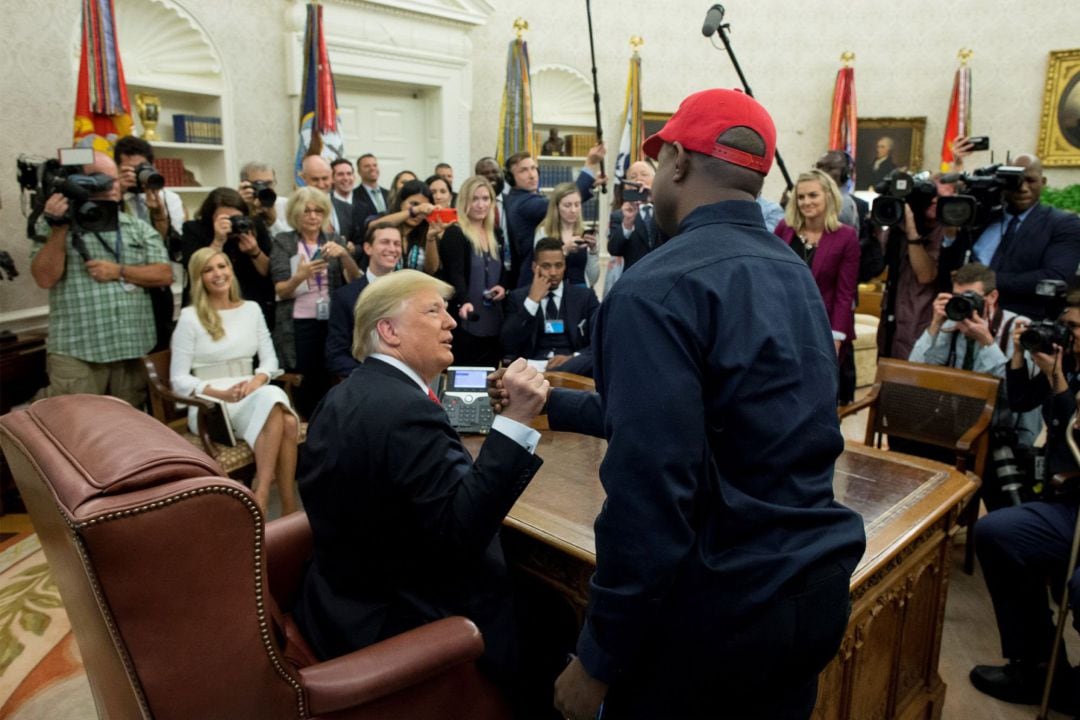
97 264
1022 547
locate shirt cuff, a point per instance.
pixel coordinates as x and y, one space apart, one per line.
531 306
596 661
588 172
523 435
837 335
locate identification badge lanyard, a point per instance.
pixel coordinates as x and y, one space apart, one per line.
322 303
116 252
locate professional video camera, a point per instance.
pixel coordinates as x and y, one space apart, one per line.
40 178
900 188
982 194
147 178
1042 335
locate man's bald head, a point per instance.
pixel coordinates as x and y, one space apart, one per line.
315 171
105 165
1032 187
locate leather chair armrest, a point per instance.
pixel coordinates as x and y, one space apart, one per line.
288 548
391 665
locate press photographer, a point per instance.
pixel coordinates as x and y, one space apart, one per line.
97 274
1020 547
970 331
143 192
906 212
1020 239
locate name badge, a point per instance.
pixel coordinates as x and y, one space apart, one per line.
322 309
554 327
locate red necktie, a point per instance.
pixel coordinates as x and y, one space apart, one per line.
434 398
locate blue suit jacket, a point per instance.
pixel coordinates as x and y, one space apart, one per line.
405 523
1046 246
339 331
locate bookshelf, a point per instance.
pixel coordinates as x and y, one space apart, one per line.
555 169
206 162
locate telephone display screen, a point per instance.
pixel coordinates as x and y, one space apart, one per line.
468 379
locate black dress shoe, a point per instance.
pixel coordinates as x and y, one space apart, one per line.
1020 682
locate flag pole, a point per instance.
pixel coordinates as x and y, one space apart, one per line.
596 88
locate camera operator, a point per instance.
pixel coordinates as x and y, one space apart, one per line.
1021 547
162 208
912 251
969 330
258 185
1026 241
100 316
633 233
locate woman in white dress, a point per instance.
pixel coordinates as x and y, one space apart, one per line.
213 345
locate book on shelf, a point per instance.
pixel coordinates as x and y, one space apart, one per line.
172 169
196 129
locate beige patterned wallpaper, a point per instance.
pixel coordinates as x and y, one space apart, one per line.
790 52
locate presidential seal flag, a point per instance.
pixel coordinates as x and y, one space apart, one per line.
320 126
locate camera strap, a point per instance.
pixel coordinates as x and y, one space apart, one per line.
115 252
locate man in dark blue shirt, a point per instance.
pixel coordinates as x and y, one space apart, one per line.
723 560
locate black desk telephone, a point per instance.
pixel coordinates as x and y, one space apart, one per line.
465 399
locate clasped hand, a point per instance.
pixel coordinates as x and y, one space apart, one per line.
518 391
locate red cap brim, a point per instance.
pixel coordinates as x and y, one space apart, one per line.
651 146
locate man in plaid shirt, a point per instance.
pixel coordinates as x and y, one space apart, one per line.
100 317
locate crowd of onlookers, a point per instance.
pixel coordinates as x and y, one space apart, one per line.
270 283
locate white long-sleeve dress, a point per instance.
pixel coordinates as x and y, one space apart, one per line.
197 357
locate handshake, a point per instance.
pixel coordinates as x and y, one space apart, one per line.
518 391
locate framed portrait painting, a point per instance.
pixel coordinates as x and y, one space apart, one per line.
1059 130
653 121
886 144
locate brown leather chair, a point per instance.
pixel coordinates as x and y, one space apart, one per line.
179 597
937 405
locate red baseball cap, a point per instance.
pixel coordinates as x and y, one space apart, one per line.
705 116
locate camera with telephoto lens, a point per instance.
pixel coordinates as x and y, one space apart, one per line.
147 178
39 179
965 305
900 188
240 224
1011 472
983 189
264 193
1041 336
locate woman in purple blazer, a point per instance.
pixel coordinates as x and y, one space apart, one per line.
811 226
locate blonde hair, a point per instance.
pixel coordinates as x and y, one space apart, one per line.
552 224
385 299
294 211
200 299
464 199
794 217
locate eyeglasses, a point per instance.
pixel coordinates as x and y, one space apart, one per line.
314 211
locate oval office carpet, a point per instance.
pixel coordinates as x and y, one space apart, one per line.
41 672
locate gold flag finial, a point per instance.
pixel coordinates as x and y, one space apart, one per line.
965 55
636 42
520 26
847 58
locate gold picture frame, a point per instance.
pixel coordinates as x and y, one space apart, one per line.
1059 128
906 152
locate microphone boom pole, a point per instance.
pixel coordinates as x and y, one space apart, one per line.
596 87
722 28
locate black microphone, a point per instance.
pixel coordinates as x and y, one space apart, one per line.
713 18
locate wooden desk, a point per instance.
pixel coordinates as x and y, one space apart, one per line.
887 664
